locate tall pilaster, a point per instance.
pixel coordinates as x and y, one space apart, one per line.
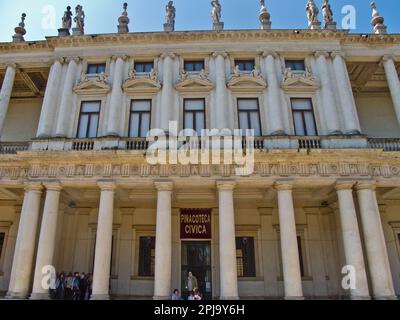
167 93
5 93
220 109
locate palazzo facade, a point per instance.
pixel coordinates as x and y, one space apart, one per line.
77 193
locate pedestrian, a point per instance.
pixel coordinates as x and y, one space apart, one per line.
191 283
69 283
176 295
197 295
75 286
82 286
60 287
89 284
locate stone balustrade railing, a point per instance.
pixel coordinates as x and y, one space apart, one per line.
13 147
387 144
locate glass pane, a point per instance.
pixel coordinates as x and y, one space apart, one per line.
194 105
200 122
145 127
255 123
248 104
298 124
301 104
296 65
189 120
310 124
83 124
146 256
243 122
199 66
94 121
245 65
141 105
101 68
134 126
92 68
91 106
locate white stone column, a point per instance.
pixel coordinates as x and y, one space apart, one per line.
381 277
274 114
351 239
26 241
167 93
102 260
163 263
221 118
66 98
347 102
48 111
47 239
289 246
5 93
116 105
330 111
227 241
393 82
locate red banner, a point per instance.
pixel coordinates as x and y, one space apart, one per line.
195 224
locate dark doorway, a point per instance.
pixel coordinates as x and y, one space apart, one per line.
196 258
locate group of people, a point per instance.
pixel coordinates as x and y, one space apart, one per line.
73 286
192 290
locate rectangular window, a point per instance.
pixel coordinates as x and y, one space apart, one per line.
194 66
144 67
249 116
96 68
296 65
303 117
2 238
139 123
89 119
301 256
194 115
147 248
245 257
245 65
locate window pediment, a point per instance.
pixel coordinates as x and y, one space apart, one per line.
247 83
92 86
194 83
142 84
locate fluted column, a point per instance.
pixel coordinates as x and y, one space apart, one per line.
347 102
163 263
116 105
393 82
5 93
26 240
66 98
289 246
48 111
329 107
227 241
274 114
167 93
47 239
221 114
351 238
102 260
381 277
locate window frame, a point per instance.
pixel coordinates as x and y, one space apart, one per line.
140 116
3 244
248 114
252 274
194 112
303 111
193 62
294 61
97 67
244 62
136 63
90 116
139 264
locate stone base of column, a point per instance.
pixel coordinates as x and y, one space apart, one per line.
294 298
218 26
16 296
229 298
100 297
385 298
160 298
39 296
18 38
63 32
360 298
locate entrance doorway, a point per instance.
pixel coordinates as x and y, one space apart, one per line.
196 258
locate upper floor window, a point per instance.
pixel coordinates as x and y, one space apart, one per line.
296 65
194 115
144 67
245 65
194 66
97 68
147 255
140 115
89 119
245 257
301 255
303 117
2 237
249 116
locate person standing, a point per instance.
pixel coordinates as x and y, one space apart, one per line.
176 295
191 284
69 283
75 286
82 286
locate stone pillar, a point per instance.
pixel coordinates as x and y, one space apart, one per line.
48 112
393 82
167 93
5 93
116 105
26 241
102 260
381 277
66 98
163 263
47 239
289 245
328 99
347 102
220 107
351 238
274 120
227 241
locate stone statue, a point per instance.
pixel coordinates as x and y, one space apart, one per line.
170 14
132 74
153 75
328 16
377 21
216 11
312 15
67 19
236 72
203 74
256 72
20 30
102 78
183 76
264 17
79 20
123 20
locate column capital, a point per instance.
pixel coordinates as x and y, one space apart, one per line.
164 185
283 185
226 185
344 185
11 65
274 54
219 53
324 54
54 60
53 186
366 185
33 187
335 54
76 59
388 57
168 54
123 57
107 185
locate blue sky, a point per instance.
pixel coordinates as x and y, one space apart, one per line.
148 15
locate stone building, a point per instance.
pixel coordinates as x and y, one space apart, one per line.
77 192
